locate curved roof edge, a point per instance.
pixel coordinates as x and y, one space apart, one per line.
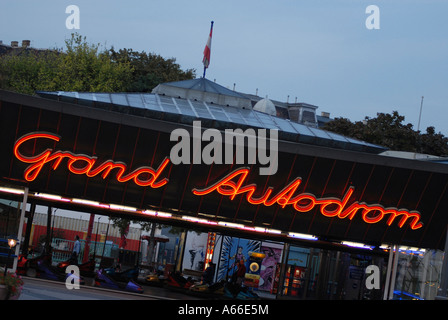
185 111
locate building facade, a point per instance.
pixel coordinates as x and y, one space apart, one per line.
330 207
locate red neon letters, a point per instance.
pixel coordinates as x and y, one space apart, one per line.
82 164
232 185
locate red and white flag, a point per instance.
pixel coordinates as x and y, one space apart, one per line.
207 49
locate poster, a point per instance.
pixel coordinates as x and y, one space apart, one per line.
195 247
268 266
233 250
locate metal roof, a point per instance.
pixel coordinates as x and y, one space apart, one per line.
205 85
185 111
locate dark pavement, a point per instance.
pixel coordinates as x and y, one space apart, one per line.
40 289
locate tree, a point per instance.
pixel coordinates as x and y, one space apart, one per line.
83 67
149 69
433 143
28 71
390 131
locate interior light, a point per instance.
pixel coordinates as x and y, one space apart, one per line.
413 250
164 215
51 197
356 245
11 190
157 214
86 202
150 212
302 236
123 208
273 231
198 220
231 224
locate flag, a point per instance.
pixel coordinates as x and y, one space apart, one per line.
207 50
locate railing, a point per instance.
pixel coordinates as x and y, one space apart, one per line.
62 249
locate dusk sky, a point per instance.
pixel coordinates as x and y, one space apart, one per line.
318 52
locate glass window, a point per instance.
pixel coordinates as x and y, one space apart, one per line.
418 274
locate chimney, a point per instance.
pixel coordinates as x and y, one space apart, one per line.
325 114
15 44
26 43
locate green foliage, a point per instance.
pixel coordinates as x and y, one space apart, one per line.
28 71
149 69
120 223
83 67
389 130
433 143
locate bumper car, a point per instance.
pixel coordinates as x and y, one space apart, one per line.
40 267
235 291
103 280
86 269
155 280
212 291
176 281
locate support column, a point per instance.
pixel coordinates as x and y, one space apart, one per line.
423 278
281 278
442 293
388 272
29 225
88 238
391 273
20 231
48 238
394 272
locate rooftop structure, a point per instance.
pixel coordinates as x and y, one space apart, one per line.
216 107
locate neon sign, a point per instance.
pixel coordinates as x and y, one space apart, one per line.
83 164
234 184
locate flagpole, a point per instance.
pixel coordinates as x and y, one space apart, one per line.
207 50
